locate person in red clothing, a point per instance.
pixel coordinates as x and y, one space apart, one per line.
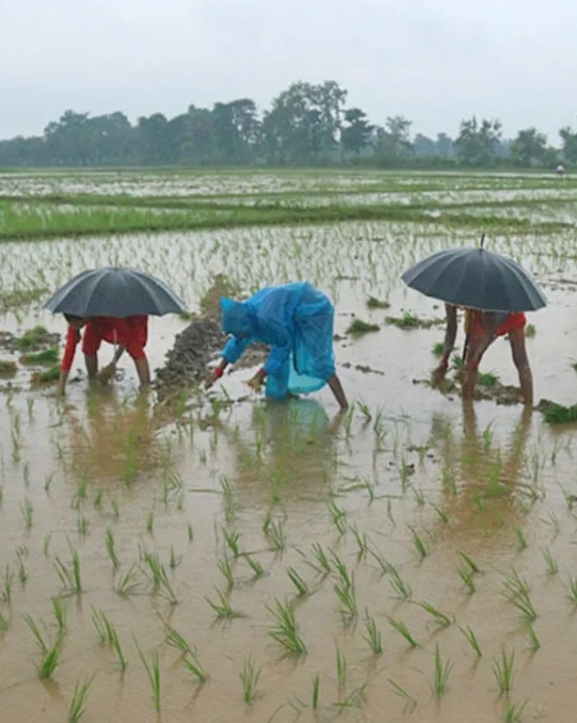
483 328
129 334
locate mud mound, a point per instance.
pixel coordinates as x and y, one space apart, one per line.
187 362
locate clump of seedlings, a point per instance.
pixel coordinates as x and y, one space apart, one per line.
46 357
374 303
357 327
406 321
8 369
48 376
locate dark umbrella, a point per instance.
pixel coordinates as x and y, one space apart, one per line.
476 278
114 292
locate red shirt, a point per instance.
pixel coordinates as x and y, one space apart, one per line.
130 332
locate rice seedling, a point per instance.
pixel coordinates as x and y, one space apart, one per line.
503 671
341 670
345 591
149 521
471 638
441 673
153 673
194 667
21 555
190 532
410 702
111 548
27 511
160 581
402 629
286 631
401 588
338 517
361 540
1 496
228 498
255 566
223 608
300 585
469 562
249 676
571 590
373 636
78 702
6 586
322 563
418 543
50 661
46 545
518 593
70 575
419 497
174 560
316 692
48 480
4 624
467 577
231 539
443 516
83 525
531 636
550 562
530 331
358 327
521 539
129 583
46 357
438 348
439 617
225 568
59 613
275 535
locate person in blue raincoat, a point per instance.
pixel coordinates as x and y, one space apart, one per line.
296 322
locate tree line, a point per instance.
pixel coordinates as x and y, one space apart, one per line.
306 125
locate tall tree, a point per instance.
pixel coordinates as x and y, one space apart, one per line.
356 134
529 148
477 143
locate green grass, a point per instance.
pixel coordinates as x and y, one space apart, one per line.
31 338
78 702
441 673
286 631
503 671
249 676
487 379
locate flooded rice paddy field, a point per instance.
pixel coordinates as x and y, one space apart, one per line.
232 560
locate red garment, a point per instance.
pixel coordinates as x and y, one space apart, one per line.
131 332
516 320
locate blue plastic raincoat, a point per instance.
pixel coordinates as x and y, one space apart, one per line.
296 321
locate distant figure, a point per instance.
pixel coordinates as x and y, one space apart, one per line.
129 334
482 329
561 170
296 321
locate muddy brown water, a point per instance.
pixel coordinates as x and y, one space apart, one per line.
490 482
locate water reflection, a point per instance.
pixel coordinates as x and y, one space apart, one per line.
483 481
111 437
293 454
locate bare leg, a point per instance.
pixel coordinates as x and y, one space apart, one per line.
337 389
143 371
519 352
91 361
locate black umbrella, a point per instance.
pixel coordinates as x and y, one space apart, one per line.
117 292
476 278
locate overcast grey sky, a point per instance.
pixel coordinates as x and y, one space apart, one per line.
434 61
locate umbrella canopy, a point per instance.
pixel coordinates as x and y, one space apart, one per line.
476 278
117 292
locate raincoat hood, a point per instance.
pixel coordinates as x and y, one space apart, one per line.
237 318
